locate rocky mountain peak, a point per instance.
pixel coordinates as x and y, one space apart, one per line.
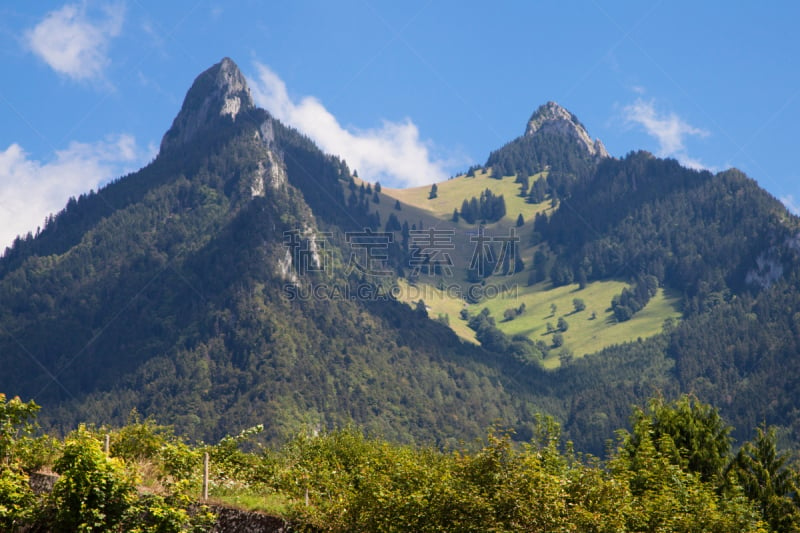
220 91
553 119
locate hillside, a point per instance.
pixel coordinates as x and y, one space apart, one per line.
445 295
177 301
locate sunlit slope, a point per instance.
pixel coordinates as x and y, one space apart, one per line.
418 209
589 330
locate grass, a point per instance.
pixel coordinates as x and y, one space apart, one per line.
584 335
451 194
272 503
417 209
439 303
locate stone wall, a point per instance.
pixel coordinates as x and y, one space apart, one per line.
236 521
42 483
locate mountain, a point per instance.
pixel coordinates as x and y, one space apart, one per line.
237 280
173 291
554 139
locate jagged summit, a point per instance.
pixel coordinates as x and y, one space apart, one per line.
220 91
552 118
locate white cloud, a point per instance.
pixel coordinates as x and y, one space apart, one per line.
393 154
74 44
668 129
30 190
791 204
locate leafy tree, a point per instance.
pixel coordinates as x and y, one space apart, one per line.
578 304
558 340
562 324
16 419
93 492
17 501
631 301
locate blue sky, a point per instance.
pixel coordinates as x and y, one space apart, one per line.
408 93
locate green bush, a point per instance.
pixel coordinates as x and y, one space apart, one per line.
93 492
16 499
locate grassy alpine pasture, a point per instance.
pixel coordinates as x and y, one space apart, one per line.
417 209
584 335
589 330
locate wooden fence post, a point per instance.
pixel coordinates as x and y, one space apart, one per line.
205 477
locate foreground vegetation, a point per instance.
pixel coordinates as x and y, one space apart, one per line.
675 471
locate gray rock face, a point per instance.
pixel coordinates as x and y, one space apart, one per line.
554 119
220 91
770 264
271 171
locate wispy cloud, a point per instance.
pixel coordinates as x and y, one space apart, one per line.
30 189
791 204
393 154
668 129
73 43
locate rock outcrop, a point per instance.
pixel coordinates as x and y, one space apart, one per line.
219 92
551 118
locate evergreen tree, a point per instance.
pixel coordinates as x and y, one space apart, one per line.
524 185
392 223
769 481
694 429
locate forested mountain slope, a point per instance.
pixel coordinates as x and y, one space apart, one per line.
223 285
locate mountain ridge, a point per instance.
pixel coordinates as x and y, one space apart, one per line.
175 302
